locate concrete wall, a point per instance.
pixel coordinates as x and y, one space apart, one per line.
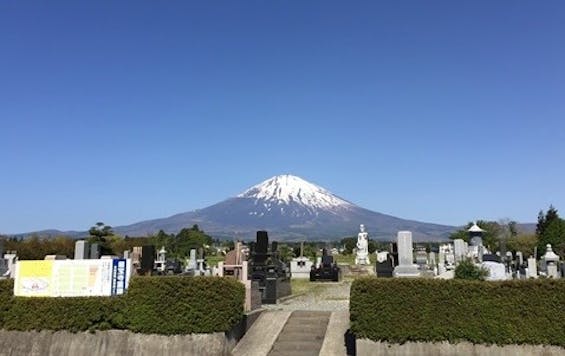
112 342
365 347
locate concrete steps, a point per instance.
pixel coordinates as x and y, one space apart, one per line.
302 335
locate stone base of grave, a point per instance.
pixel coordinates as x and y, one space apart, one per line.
359 270
408 271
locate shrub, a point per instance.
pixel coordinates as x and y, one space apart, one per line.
6 295
467 269
161 305
72 314
429 310
183 305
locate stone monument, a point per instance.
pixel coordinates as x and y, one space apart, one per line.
362 257
460 250
551 260
406 266
532 268
300 267
81 250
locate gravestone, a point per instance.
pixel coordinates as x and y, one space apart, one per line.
459 250
489 257
268 270
94 251
532 268
384 267
300 267
4 270
394 253
82 250
441 262
497 271
11 259
327 271
191 265
519 258
421 257
432 258
406 266
147 259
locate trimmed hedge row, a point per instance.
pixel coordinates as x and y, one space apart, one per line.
159 305
428 310
183 305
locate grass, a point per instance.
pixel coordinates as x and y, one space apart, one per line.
345 259
302 286
213 260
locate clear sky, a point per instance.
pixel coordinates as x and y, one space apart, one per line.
439 111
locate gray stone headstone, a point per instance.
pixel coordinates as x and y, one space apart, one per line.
441 257
520 258
432 258
421 256
94 251
81 250
405 248
192 260
459 249
532 268
497 271
406 266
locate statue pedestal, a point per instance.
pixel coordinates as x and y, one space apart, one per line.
362 260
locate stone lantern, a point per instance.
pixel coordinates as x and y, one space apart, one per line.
551 261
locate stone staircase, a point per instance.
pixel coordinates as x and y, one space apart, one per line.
302 335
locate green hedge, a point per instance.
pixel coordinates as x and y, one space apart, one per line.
6 295
181 305
510 312
160 305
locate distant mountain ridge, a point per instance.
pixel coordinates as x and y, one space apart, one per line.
290 208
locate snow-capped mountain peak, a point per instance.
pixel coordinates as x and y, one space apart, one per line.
292 189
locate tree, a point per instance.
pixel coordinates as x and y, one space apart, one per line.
99 234
286 253
187 239
492 235
524 243
349 243
467 269
545 219
550 229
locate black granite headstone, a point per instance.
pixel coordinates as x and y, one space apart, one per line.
147 258
270 273
384 269
491 258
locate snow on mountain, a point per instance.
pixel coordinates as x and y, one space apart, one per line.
287 189
290 208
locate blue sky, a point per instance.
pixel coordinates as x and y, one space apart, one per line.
437 111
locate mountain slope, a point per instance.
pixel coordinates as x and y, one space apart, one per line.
289 208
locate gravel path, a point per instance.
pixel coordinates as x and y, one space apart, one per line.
323 296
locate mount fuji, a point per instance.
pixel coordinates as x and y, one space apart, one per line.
289 208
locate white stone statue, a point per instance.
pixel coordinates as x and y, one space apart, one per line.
362 257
